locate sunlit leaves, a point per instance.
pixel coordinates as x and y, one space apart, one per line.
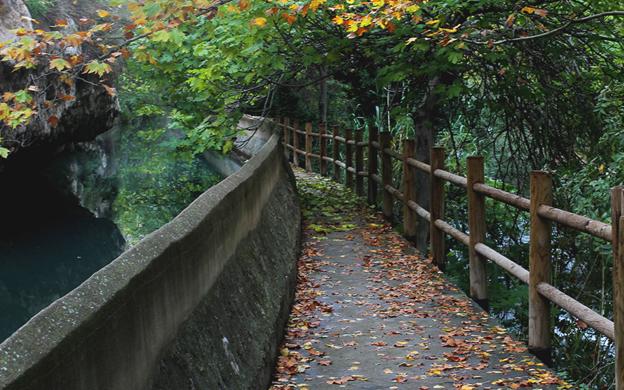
22 97
103 13
98 68
15 108
260 21
161 36
59 64
534 11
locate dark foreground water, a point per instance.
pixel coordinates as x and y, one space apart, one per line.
62 223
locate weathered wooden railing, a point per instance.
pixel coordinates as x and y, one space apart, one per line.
541 292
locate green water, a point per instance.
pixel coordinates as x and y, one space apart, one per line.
63 223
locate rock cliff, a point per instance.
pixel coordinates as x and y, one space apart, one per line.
13 15
91 113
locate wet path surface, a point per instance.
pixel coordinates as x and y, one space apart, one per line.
370 313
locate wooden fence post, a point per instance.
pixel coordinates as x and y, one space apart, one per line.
336 152
308 147
409 216
385 140
359 163
617 232
323 149
286 125
349 158
373 136
296 144
476 226
438 251
539 267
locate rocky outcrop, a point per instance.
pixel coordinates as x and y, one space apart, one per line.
71 11
92 112
13 15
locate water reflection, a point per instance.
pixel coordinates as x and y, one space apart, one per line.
49 244
61 224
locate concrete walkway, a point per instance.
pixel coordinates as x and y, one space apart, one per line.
370 313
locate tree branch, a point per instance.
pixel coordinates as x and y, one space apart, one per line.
551 32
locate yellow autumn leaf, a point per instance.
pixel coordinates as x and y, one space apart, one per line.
366 21
315 4
378 3
528 10
412 9
352 26
260 22
338 20
103 13
59 64
534 11
449 30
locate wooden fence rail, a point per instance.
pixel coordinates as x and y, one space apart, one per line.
542 214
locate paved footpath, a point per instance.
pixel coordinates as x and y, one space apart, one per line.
370 313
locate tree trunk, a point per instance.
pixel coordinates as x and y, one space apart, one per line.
323 94
425 133
424 143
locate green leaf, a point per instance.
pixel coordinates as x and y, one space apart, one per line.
60 64
455 57
23 97
97 67
160 36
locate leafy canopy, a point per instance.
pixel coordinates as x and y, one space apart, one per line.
224 56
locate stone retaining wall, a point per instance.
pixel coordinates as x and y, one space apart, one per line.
198 304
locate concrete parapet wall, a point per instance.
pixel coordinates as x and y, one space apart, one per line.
198 304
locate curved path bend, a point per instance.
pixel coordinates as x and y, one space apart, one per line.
370 313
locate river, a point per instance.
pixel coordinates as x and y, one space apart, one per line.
61 223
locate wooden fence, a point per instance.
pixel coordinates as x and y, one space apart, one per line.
541 292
